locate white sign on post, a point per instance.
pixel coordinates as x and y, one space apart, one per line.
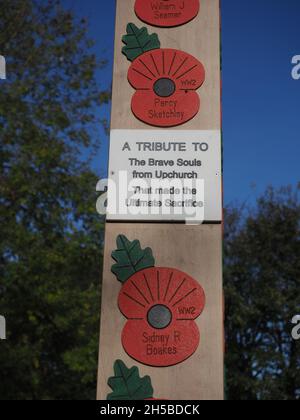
157 175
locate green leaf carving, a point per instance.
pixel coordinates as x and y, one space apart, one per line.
130 258
127 384
138 41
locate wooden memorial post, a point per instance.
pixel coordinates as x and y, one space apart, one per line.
162 306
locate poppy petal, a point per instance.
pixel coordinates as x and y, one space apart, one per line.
166 347
142 73
165 112
190 76
173 288
134 300
147 287
183 69
183 295
188 303
178 13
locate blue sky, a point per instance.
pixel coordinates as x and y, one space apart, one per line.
261 101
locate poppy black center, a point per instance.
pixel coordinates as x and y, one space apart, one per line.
159 316
164 87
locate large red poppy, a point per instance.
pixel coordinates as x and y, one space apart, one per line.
161 305
167 13
166 81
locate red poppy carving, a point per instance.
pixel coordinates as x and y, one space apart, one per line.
167 13
166 81
161 305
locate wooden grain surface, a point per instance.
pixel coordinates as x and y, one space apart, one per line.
201 38
196 250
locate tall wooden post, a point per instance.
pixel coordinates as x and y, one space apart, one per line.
164 316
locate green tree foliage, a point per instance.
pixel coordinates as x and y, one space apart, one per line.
262 284
51 236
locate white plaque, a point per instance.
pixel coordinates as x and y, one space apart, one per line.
158 175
